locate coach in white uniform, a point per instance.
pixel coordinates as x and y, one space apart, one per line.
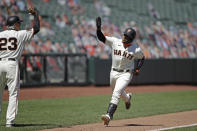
123 55
12 42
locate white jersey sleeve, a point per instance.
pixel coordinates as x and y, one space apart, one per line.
138 53
26 35
110 40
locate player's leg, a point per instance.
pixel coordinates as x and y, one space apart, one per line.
13 89
112 107
125 96
127 99
121 84
112 82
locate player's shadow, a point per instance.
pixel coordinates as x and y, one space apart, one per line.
140 125
135 125
28 125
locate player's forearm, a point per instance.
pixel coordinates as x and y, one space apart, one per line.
36 25
100 36
140 62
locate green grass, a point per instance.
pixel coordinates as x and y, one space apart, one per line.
51 113
193 128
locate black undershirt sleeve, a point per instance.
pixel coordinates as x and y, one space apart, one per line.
100 36
36 25
140 63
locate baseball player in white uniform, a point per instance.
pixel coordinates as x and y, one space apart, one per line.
12 42
123 55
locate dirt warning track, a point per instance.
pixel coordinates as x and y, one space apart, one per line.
63 92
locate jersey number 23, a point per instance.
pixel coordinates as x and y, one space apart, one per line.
4 42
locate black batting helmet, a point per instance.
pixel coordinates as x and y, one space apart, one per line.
130 33
13 20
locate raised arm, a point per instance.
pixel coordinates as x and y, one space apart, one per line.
99 33
36 22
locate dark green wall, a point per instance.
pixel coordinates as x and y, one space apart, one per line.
157 71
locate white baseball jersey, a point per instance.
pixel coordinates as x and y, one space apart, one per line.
122 61
12 43
11 47
123 58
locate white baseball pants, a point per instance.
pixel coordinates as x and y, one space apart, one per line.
119 81
9 75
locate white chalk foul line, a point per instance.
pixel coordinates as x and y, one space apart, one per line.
163 129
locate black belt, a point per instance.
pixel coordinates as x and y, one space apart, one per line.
114 69
10 59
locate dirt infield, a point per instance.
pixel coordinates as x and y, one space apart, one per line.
63 92
139 124
136 124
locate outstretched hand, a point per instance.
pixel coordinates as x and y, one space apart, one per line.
98 23
32 11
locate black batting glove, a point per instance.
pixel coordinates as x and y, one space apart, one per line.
98 23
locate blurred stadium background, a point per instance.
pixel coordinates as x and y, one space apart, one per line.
67 52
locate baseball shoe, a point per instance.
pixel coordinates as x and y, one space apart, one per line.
106 119
128 103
